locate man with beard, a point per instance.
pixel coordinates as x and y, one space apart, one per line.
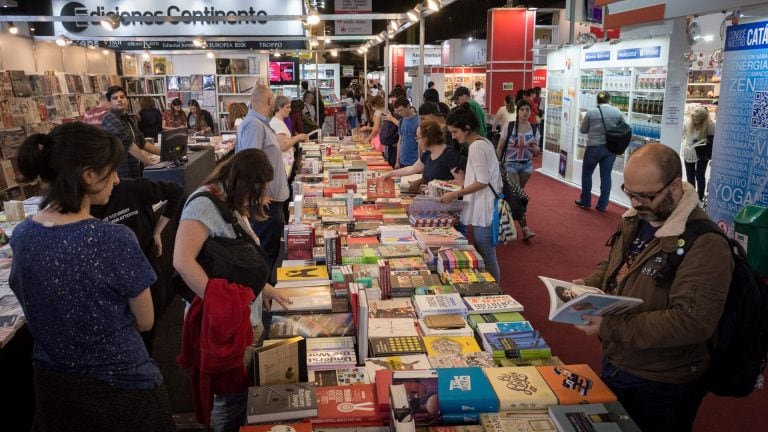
655 355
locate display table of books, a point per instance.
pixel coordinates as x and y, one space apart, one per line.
396 324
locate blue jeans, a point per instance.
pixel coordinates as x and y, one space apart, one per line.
593 156
484 244
228 412
655 406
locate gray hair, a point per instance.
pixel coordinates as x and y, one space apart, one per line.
279 102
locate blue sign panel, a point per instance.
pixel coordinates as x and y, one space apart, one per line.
638 53
747 37
739 171
597 56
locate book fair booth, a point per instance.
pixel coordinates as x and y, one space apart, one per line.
396 320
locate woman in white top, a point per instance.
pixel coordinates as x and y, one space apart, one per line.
282 111
506 113
482 178
697 132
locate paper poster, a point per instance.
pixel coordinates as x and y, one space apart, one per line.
740 154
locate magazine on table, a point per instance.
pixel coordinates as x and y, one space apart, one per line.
569 301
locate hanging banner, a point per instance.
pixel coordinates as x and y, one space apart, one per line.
249 10
398 66
740 155
353 27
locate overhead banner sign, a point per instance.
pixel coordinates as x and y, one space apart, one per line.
129 45
353 27
433 56
739 171
249 10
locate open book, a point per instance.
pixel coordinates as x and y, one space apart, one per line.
569 301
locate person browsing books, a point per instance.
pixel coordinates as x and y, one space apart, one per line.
655 356
407 147
481 175
240 182
175 117
698 131
199 120
437 161
83 285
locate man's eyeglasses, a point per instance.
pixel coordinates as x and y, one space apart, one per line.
646 196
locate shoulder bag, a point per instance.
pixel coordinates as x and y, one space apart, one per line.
239 260
503 224
617 137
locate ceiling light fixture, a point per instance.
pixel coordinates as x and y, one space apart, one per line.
313 42
433 5
111 21
210 54
145 55
313 18
334 53
63 40
93 47
394 25
105 52
414 14
12 29
276 54
470 38
199 42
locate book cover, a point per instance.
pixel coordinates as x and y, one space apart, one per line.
400 251
474 319
450 345
421 388
308 273
439 304
576 384
392 308
326 343
445 321
20 83
492 303
511 362
159 65
239 66
517 422
331 359
293 427
433 290
311 325
465 389
223 66
280 402
569 301
404 362
305 299
520 388
592 417
283 362
389 327
346 404
482 359
396 345
477 288
339 377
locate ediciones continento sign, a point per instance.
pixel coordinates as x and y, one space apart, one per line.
249 10
739 172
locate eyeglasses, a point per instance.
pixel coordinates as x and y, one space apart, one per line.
645 196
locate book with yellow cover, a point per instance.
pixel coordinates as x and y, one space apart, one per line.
307 273
520 388
450 345
576 384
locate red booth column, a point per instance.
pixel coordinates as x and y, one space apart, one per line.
510 59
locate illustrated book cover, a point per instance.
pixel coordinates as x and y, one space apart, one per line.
569 301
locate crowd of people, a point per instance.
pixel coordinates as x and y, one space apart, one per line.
70 260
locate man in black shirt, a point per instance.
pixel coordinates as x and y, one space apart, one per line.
131 204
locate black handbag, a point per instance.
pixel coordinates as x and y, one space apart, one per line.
618 137
240 260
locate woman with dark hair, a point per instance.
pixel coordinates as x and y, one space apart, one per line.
175 117
199 120
239 183
520 95
437 161
505 114
150 118
518 144
297 106
482 181
83 284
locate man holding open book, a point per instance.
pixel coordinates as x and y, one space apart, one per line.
655 355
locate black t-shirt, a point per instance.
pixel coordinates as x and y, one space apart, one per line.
131 202
441 167
644 236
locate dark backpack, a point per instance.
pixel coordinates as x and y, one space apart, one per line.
388 134
739 346
617 137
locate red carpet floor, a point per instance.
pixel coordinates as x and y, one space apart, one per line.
569 242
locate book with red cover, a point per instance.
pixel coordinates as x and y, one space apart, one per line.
347 404
576 384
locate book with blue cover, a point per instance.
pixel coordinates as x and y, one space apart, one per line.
465 390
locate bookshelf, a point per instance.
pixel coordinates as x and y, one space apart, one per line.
138 87
325 77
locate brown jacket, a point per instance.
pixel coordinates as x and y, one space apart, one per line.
664 338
